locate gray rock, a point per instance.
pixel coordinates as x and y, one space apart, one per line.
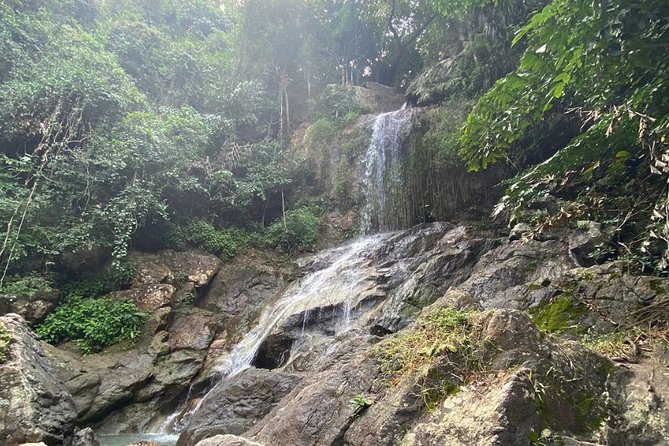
585 239
244 283
227 440
192 329
495 278
526 370
235 405
520 231
85 437
194 267
35 406
175 268
642 418
148 297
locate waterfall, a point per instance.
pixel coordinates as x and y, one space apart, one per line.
339 283
333 285
382 168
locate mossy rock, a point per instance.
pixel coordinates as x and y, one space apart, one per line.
560 314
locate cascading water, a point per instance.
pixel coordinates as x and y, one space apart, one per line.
382 167
338 284
331 286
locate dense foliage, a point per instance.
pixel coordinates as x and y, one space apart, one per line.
120 116
604 65
93 323
120 120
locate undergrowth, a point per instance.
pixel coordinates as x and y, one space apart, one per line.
442 352
29 286
92 323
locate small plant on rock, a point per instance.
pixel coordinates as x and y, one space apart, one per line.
360 403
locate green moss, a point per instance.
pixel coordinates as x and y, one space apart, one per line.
585 407
570 394
5 339
559 314
535 287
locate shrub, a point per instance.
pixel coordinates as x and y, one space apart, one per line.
298 232
223 243
29 286
101 283
338 103
323 131
92 323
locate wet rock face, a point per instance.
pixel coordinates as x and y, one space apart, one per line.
244 283
419 265
35 407
235 405
273 353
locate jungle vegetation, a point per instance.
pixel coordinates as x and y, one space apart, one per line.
164 123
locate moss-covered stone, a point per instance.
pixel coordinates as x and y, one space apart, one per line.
559 314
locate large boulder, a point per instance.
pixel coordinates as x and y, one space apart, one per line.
497 279
35 407
187 269
148 297
235 405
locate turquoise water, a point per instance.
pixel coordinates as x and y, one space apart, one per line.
123 440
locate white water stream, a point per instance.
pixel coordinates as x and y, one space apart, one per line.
382 166
337 284
333 285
